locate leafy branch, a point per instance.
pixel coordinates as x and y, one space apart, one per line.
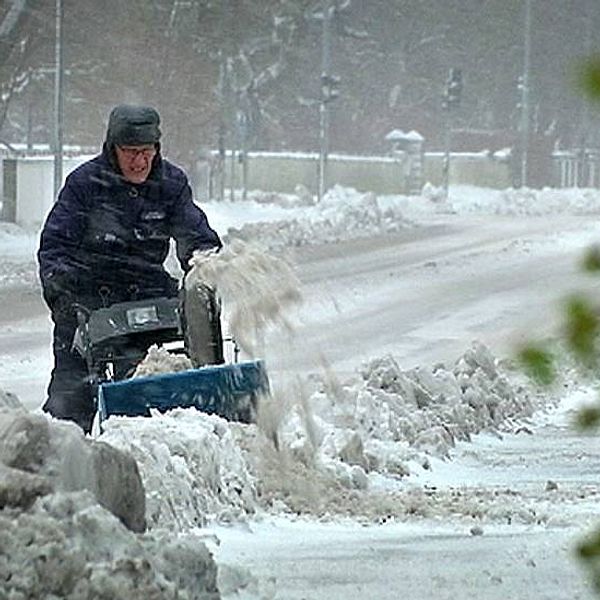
581 335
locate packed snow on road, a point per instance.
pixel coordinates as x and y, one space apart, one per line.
401 452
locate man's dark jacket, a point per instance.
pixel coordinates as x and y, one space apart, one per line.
105 233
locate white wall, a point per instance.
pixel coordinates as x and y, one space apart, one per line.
274 172
382 175
35 187
479 169
283 171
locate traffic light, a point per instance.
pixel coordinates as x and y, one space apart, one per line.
329 87
520 91
455 86
453 91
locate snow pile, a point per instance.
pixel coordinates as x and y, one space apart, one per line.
16 241
346 214
343 214
330 449
159 360
472 396
18 273
38 457
388 422
426 409
71 514
256 288
17 248
525 201
67 546
191 466
300 198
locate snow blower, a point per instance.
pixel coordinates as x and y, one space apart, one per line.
115 339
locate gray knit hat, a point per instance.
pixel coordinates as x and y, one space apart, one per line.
132 125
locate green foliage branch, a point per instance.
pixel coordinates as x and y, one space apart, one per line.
581 335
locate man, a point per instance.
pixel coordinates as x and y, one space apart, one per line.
106 239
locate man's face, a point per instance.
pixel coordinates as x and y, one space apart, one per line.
135 162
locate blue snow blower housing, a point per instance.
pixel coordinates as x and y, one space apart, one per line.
229 391
115 339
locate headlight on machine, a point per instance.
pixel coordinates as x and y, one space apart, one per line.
141 316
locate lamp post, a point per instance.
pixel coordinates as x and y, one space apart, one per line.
58 99
524 85
450 99
329 92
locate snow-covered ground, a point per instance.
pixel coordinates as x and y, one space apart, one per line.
412 458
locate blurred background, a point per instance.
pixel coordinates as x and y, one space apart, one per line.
274 74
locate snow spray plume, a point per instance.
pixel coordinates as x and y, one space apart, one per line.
256 289
288 398
333 386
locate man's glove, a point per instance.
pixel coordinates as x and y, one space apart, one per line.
59 289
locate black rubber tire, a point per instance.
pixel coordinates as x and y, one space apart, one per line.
201 320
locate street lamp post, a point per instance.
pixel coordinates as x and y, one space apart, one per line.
329 91
450 99
323 107
525 95
58 99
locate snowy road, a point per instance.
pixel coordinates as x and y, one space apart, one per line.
317 562
422 294
527 554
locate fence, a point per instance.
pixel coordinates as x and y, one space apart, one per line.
402 173
577 168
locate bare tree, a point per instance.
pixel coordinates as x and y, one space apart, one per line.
14 46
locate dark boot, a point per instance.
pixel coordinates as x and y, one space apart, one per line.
69 393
